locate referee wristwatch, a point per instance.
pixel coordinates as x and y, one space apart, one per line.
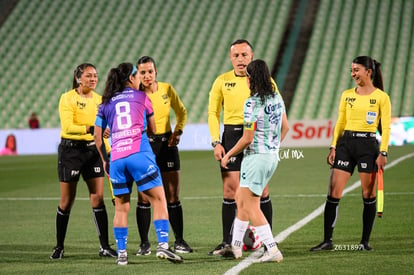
215 143
383 153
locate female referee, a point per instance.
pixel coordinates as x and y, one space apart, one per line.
362 110
164 145
77 155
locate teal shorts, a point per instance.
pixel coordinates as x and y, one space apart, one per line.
257 170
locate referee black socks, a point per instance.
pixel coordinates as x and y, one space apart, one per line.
330 215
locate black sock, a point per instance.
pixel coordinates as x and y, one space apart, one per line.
228 213
175 215
330 215
101 222
368 217
266 207
143 217
62 220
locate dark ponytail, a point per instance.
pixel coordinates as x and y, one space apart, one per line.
117 80
370 63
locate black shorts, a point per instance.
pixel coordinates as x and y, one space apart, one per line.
232 134
356 149
167 157
77 158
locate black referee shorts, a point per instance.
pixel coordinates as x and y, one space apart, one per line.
355 149
77 158
167 157
232 134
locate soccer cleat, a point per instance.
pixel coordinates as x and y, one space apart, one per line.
163 253
122 258
234 252
218 251
273 255
57 253
107 252
144 249
182 247
364 246
325 245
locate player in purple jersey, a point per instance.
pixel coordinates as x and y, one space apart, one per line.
128 113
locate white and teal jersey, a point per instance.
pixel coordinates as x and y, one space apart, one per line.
266 121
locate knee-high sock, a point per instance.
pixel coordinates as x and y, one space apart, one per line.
330 215
162 229
143 218
228 213
175 215
239 229
100 217
368 217
266 236
62 220
267 209
121 238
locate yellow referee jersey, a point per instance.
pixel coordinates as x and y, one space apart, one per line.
362 113
162 101
228 93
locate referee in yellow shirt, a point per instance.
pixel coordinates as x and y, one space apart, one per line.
228 94
362 110
78 156
164 145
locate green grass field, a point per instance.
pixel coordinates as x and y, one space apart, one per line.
29 195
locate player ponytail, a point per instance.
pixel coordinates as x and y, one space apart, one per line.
260 81
117 80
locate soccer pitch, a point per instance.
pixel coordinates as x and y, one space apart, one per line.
29 195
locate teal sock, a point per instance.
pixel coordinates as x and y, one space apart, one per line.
121 237
162 229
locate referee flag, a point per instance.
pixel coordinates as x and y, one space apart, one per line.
380 195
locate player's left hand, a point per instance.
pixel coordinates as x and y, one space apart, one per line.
224 161
107 133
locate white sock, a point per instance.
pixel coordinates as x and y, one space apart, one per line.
266 236
239 229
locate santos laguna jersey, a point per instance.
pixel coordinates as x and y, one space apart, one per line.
126 115
228 93
266 121
362 113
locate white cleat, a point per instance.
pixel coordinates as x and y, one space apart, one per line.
273 255
122 258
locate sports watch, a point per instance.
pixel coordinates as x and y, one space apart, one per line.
215 143
383 153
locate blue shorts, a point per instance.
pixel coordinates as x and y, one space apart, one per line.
257 170
139 167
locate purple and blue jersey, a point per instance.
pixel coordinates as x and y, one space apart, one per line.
126 115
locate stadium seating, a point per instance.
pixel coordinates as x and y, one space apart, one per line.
344 30
47 39
42 41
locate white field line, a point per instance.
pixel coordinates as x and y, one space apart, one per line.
285 233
